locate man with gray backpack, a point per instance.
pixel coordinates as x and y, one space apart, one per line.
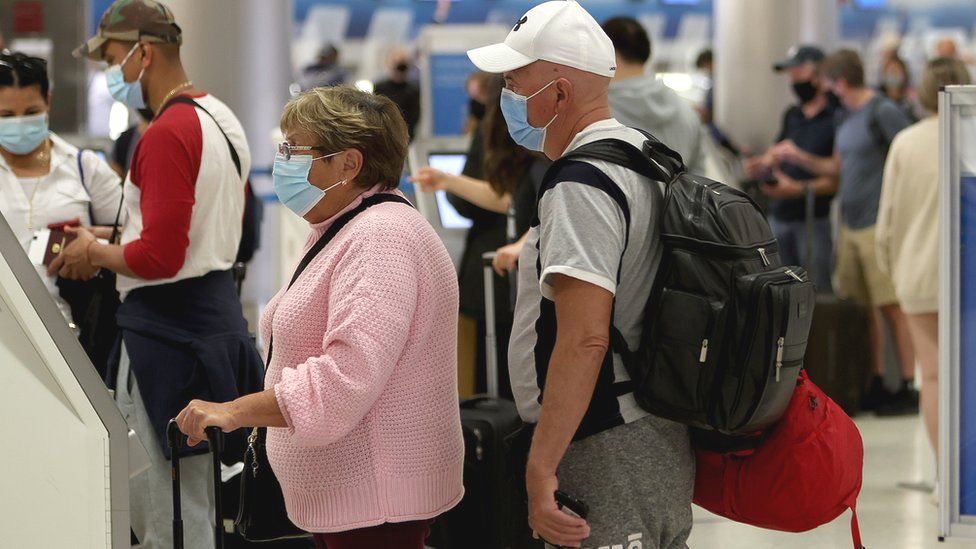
649 300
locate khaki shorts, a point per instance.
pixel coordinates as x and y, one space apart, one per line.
857 275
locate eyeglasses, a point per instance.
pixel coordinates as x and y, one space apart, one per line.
287 149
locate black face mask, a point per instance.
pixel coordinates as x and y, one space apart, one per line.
805 91
476 109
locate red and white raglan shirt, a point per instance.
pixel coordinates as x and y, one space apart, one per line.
184 196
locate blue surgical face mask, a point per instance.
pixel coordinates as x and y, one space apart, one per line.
291 183
515 109
128 93
23 134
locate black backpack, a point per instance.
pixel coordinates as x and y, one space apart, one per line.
725 327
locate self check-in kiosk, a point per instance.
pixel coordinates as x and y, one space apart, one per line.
64 462
957 314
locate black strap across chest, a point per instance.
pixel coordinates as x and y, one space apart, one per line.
330 234
186 100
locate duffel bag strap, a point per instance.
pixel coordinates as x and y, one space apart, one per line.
855 528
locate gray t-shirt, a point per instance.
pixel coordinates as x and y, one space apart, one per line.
862 159
581 235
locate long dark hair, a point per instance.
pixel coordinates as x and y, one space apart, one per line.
504 160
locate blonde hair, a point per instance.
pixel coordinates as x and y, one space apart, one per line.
343 118
942 71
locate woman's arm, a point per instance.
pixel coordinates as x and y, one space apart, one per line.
476 191
324 398
254 410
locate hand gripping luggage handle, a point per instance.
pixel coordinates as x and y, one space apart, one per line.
491 338
175 439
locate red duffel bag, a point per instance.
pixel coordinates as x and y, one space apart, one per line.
805 471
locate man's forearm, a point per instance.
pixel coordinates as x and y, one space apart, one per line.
825 185
819 165
572 375
111 257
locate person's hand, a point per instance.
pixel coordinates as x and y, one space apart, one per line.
785 187
506 258
74 262
101 232
786 152
198 415
546 519
757 167
430 179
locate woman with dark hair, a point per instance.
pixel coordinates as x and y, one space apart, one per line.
500 177
45 181
896 85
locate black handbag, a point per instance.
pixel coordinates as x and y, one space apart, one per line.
262 515
94 302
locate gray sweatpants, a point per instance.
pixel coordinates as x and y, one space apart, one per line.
638 481
151 493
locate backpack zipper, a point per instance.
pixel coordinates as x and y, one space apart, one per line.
765 259
704 352
780 344
794 275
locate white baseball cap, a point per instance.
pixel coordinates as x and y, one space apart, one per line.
561 32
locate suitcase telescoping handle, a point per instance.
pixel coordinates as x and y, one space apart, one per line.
175 439
491 338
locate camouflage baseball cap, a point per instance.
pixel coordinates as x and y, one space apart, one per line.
131 21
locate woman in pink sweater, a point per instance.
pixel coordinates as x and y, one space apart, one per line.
361 388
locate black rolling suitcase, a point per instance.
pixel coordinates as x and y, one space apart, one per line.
838 356
175 439
491 515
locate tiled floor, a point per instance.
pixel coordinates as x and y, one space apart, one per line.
896 451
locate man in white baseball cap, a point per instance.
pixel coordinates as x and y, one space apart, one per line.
586 269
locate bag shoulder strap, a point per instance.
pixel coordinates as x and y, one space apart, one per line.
874 125
91 203
81 177
327 237
186 100
855 527
339 224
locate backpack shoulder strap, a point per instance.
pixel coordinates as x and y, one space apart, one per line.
655 161
186 100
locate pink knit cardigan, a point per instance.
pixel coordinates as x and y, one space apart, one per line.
365 372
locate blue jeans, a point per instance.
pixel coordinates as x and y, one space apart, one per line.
792 237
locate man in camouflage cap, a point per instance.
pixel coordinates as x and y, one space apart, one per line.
132 21
140 41
183 209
